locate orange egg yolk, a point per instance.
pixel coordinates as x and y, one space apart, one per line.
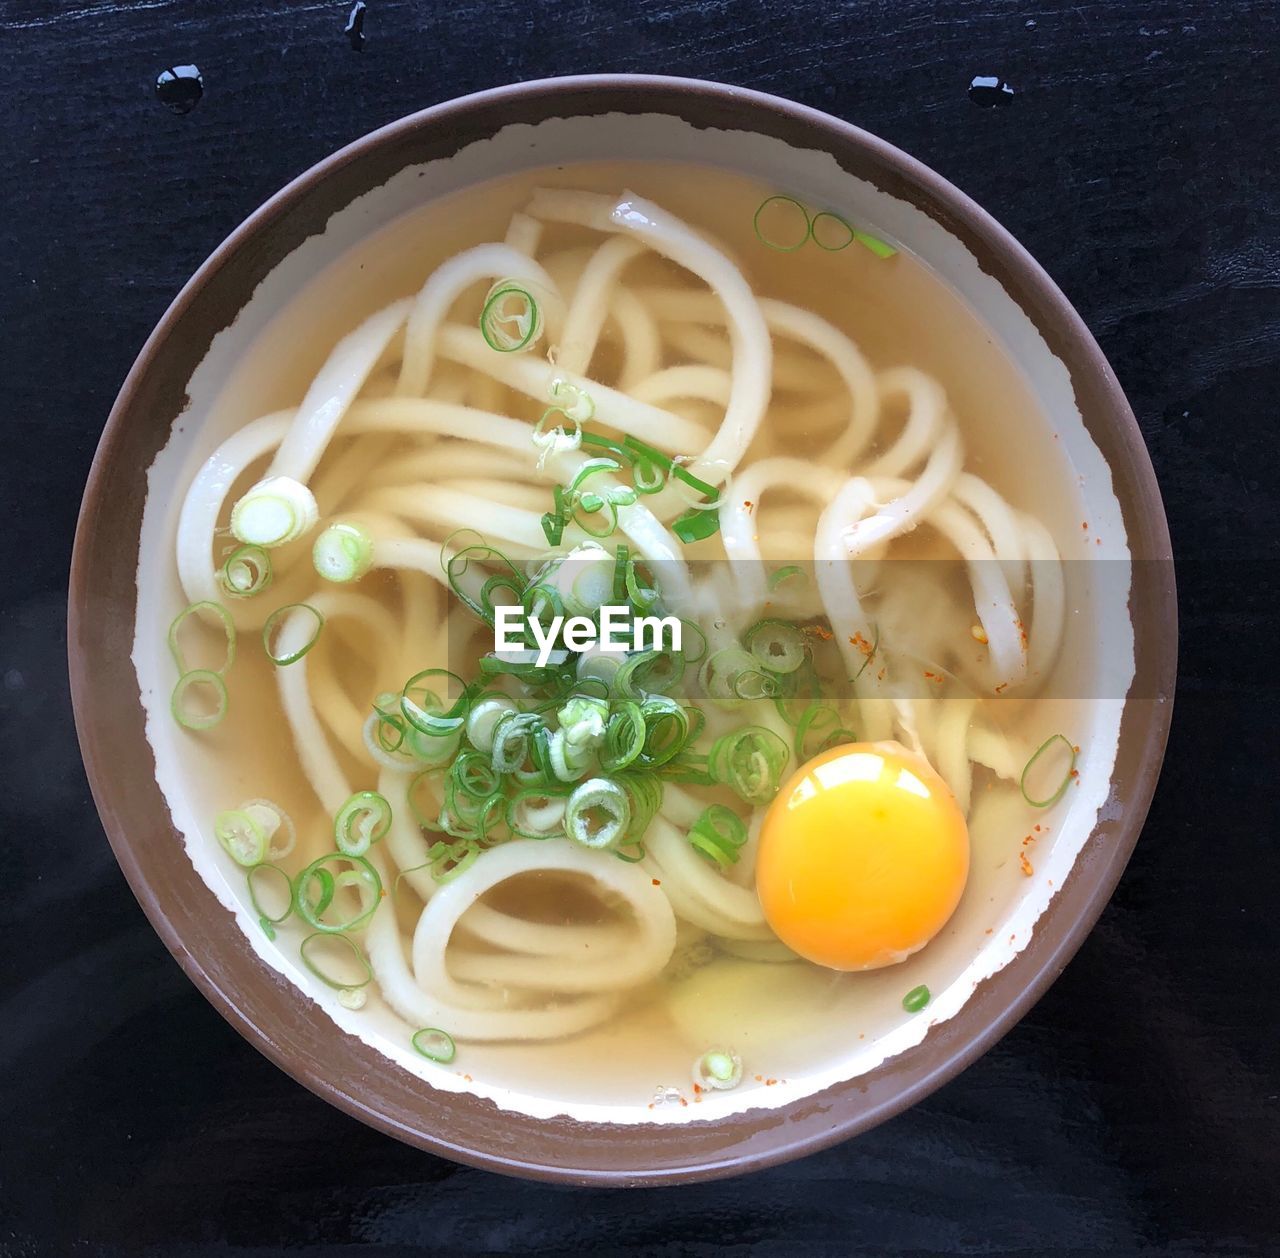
863 857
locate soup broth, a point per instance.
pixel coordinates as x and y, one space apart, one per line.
597 978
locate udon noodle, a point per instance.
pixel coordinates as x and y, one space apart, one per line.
432 439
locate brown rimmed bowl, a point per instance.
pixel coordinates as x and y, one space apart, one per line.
595 117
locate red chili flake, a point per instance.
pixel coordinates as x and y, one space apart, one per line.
749 505
768 1083
988 930
1001 686
683 1101
1037 829
759 1078
1026 864
819 631
867 648
933 676
1097 541
697 1087
657 882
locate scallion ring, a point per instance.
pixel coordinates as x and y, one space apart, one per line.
434 1044
718 834
1068 774
272 904
343 552
777 644
361 822
317 888
226 624
336 960
510 320
597 814
246 572
241 837
276 510
778 223
423 708
290 632
182 703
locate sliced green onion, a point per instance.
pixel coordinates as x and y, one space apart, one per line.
271 904
182 705
482 720
718 1068
777 644
732 675
560 438
412 793
336 960
227 626
246 572
352 998
553 522
454 859
877 246
537 812
692 654
361 822
718 834
576 403
643 597
511 740
750 762
308 618
424 709
695 525
241 837
318 886
624 737
597 814
916 999
831 231
458 564
674 467
434 1044
343 552
276 510
821 722
666 730
510 320
788 572
280 830
648 672
782 223
1068 774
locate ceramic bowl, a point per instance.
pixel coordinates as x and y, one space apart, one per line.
166 418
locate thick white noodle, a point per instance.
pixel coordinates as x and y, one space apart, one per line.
653 937
446 284
332 392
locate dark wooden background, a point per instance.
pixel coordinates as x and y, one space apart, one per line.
1135 1110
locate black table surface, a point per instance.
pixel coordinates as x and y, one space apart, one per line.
1135 1109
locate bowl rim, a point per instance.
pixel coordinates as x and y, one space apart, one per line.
1004 998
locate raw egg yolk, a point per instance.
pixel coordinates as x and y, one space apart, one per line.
863 857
